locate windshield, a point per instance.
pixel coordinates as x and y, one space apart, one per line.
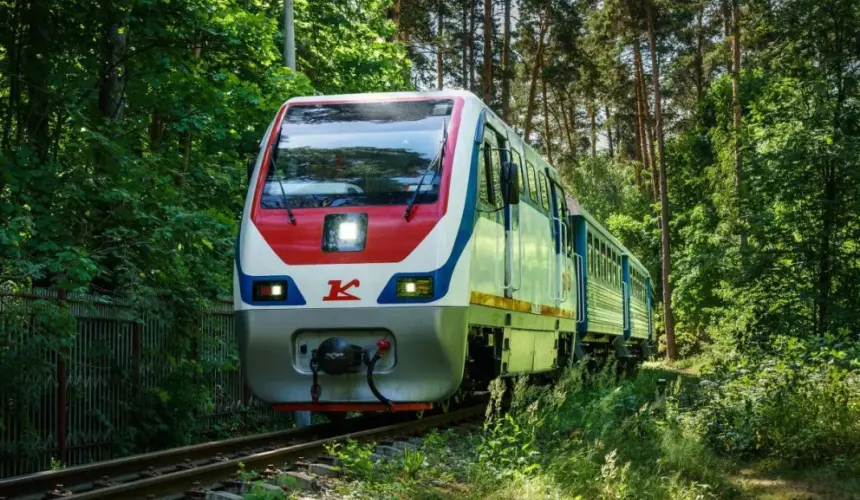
358 154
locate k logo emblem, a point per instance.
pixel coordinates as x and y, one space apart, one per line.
338 291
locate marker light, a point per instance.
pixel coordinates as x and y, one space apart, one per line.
415 288
270 291
348 231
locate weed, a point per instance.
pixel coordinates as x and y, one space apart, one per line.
261 492
413 460
356 458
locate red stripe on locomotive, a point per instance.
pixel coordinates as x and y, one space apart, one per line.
389 237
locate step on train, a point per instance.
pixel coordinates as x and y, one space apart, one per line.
398 249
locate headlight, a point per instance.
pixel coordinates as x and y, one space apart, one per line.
344 232
417 287
270 291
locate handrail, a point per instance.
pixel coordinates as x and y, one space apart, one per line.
580 289
564 293
625 304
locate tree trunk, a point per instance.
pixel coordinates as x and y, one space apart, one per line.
110 100
638 150
726 7
188 136
506 64
487 77
471 40
565 122
574 131
36 72
593 119
736 107
825 279
669 321
530 107
396 18
464 48
609 132
648 135
13 51
698 63
439 27
547 135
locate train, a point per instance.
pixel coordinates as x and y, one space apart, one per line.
399 250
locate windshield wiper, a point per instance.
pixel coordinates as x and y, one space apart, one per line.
284 201
436 167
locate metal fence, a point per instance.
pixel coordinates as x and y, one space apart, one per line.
80 373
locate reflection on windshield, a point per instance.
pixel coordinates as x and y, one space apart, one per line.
357 154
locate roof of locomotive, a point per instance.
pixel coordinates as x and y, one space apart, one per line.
371 96
577 209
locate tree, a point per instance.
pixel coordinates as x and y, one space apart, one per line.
506 62
487 77
668 320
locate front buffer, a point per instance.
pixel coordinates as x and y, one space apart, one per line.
394 358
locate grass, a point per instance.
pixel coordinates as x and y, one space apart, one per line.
589 436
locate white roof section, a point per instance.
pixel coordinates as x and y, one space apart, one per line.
381 96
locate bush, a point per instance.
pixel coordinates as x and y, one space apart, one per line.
798 402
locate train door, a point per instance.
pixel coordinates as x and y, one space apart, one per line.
513 235
495 152
562 282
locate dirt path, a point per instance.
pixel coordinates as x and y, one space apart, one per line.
756 481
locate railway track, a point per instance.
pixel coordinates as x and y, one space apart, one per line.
193 470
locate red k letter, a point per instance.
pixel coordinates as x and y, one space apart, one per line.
338 291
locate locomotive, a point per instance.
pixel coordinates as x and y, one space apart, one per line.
397 250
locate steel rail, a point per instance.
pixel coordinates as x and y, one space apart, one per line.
38 484
214 473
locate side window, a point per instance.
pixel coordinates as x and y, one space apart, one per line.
533 189
519 161
496 157
559 201
605 261
544 192
485 179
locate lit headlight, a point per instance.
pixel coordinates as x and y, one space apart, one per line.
347 231
344 232
417 287
270 291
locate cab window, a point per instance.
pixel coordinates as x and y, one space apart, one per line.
533 187
519 161
544 192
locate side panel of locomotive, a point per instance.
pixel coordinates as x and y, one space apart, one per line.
523 297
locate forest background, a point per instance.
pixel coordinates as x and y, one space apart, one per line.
717 138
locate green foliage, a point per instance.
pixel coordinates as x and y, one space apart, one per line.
799 405
259 492
356 458
123 147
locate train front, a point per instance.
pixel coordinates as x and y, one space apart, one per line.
350 278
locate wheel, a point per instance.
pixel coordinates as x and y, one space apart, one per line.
419 414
